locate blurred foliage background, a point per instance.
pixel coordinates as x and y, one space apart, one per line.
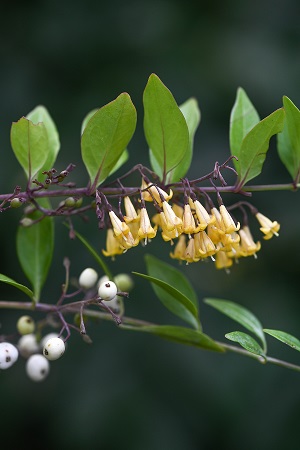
134 391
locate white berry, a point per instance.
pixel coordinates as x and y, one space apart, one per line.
114 304
25 325
88 278
54 348
37 367
28 345
8 355
46 338
107 290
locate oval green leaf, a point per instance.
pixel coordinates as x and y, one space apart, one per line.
106 136
180 335
255 146
35 250
173 299
246 341
192 115
289 139
239 314
41 114
30 145
165 127
21 287
243 118
286 338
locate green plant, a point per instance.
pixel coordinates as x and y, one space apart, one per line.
163 199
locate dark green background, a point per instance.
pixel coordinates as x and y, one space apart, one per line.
130 391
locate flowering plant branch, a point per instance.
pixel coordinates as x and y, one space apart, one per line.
190 214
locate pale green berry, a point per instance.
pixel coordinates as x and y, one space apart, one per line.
78 202
37 367
124 282
26 222
28 345
8 355
70 201
54 348
107 290
15 202
25 325
88 278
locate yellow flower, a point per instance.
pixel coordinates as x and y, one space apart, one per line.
222 260
202 215
112 245
204 246
247 244
230 242
268 227
229 225
172 221
118 225
127 241
190 254
188 221
156 193
145 231
219 226
131 214
180 248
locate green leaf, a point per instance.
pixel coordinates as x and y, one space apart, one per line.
191 112
179 298
124 156
165 127
12 282
289 139
255 146
180 335
239 314
93 252
243 118
286 338
30 145
246 341
35 250
106 136
41 114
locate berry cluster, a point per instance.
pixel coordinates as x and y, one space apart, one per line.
40 351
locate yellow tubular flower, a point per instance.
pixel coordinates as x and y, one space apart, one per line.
128 241
155 191
204 246
178 210
189 254
180 248
131 214
230 242
223 261
268 227
166 234
219 224
248 246
112 245
202 215
229 225
119 227
173 222
145 231
188 221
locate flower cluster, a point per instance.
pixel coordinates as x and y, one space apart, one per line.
200 231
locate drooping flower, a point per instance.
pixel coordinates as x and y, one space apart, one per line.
268 228
180 248
222 260
247 244
145 230
131 213
188 221
229 225
112 245
202 215
172 221
150 191
118 225
204 246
